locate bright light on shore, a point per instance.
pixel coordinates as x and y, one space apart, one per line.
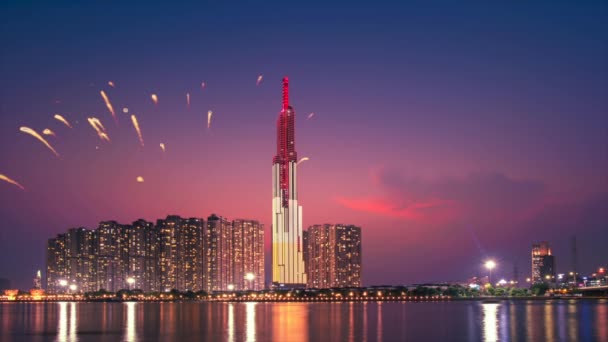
490 264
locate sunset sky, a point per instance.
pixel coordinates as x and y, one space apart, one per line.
450 134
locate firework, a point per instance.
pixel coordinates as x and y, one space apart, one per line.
303 159
154 98
209 115
188 99
162 147
139 179
125 110
33 133
108 104
310 116
136 125
99 128
14 182
62 119
257 83
111 84
48 132
203 85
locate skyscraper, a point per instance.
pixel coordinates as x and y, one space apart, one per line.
543 263
287 252
333 256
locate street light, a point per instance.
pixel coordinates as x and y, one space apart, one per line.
130 281
73 287
490 265
250 277
230 287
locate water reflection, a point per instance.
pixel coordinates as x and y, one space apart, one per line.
66 330
490 321
602 321
379 324
535 320
250 321
290 322
131 330
230 322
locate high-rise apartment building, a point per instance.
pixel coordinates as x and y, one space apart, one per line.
175 253
111 250
287 253
248 255
333 254
543 263
56 261
80 268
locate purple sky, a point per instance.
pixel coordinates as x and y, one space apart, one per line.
450 134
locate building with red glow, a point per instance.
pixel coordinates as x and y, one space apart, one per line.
287 247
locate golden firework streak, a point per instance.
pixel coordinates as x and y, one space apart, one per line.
62 119
14 182
136 125
33 133
108 104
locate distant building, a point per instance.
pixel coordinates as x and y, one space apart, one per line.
38 280
333 256
543 263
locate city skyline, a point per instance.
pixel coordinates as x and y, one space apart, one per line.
175 253
452 134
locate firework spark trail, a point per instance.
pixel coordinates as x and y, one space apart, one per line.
257 83
188 99
40 138
9 180
303 159
111 84
99 128
162 147
62 119
136 125
154 99
203 85
109 105
48 132
310 116
139 179
209 115
125 110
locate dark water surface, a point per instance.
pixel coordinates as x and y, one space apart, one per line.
558 320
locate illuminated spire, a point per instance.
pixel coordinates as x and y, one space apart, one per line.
285 93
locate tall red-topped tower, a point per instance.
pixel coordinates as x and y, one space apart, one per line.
287 252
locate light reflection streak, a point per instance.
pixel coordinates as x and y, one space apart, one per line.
549 323
73 322
379 331
351 322
490 321
230 322
602 321
62 323
63 335
250 321
131 328
572 321
365 321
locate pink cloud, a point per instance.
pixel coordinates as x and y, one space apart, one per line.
431 211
